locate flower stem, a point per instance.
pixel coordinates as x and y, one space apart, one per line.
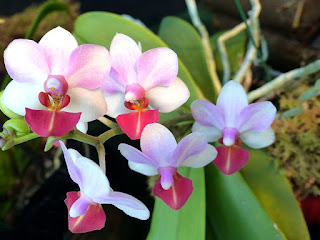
173 121
108 122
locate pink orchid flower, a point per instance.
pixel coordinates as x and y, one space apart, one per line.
85 211
232 120
138 80
52 75
162 155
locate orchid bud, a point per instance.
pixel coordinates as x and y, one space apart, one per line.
16 128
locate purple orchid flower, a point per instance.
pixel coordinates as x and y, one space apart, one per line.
54 75
85 210
139 80
162 155
232 120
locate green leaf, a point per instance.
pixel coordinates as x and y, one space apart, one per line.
275 194
182 37
188 223
233 210
236 49
100 28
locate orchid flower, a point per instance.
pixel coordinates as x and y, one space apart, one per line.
162 155
138 80
52 75
85 210
232 120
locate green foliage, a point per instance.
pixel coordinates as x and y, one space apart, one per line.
274 193
233 210
189 221
182 37
236 49
100 28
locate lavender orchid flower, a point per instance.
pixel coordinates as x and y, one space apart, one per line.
138 80
232 120
53 75
162 155
85 210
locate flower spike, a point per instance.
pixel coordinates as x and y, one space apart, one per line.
85 211
162 155
231 121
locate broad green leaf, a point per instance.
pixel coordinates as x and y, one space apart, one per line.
275 194
182 37
100 28
188 223
236 49
233 210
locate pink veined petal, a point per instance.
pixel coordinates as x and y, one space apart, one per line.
93 179
231 101
124 53
134 155
213 134
201 159
158 143
169 98
128 204
47 123
190 145
89 65
207 114
177 195
58 45
257 116
90 103
25 61
231 159
19 96
142 168
258 139
70 156
110 85
157 67
115 104
93 219
133 123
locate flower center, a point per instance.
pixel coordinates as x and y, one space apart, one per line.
229 136
135 97
55 97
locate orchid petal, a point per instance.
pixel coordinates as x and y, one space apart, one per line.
258 139
257 116
116 105
212 133
70 155
157 67
88 66
79 207
111 85
19 96
144 169
167 176
58 45
90 103
25 61
93 219
158 143
93 179
230 159
177 195
190 145
82 127
128 204
133 123
47 123
124 53
207 114
134 155
231 101
167 99
201 159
